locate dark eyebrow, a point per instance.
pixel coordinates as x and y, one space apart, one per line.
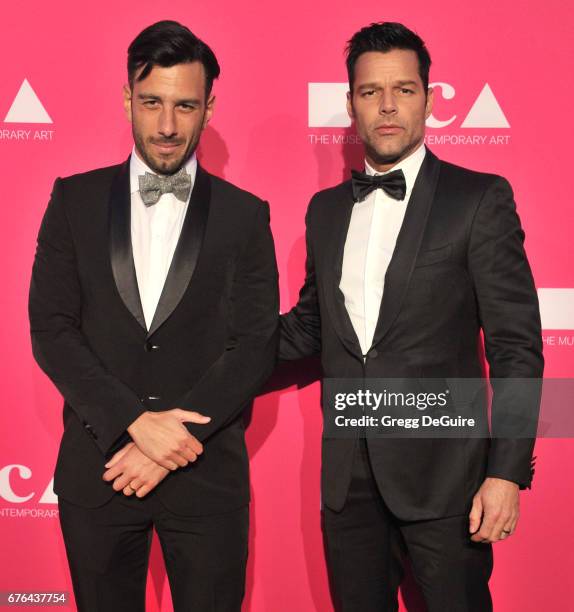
193 101
368 86
400 83
146 96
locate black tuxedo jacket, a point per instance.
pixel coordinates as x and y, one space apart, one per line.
459 266
210 346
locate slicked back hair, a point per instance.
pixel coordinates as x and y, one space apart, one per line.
165 44
384 37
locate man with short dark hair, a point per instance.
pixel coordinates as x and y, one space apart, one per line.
406 264
153 309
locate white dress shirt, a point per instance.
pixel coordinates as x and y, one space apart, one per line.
369 246
155 231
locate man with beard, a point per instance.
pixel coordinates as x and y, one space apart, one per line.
406 264
153 309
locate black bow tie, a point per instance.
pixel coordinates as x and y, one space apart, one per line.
393 184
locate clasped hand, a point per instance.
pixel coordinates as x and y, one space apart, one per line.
161 443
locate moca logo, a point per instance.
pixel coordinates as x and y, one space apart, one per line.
25 473
327 107
557 314
26 107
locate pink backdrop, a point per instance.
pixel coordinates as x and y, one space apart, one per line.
73 57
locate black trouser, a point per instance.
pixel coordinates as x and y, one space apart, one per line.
108 550
366 545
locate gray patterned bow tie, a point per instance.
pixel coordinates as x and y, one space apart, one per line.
152 187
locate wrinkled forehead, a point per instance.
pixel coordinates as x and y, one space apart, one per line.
188 79
395 66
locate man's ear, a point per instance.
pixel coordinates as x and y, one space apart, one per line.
127 92
350 110
208 111
429 102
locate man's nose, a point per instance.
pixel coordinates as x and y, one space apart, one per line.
167 123
388 103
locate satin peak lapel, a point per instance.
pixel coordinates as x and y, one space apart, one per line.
408 244
333 265
121 255
186 252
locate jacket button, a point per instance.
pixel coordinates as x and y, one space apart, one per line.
373 353
91 431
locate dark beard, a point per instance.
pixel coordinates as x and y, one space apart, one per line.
163 171
386 160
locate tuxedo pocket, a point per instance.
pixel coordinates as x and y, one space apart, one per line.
433 256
